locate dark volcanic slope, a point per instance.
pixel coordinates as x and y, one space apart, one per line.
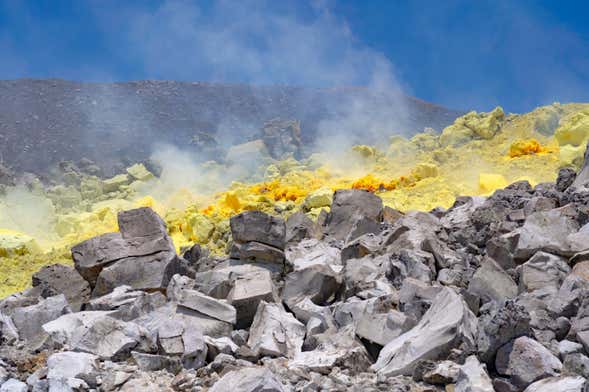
45 121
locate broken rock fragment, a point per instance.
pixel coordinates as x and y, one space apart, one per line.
275 332
446 325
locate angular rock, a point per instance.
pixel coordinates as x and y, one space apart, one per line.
499 324
298 227
248 380
318 282
348 207
141 255
216 346
566 177
127 304
14 385
275 332
525 360
447 324
248 292
141 222
208 306
365 245
257 251
334 349
62 279
415 264
218 282
547 231
186 319
97 333
313 252
543 269
380 322
259 227
30 319
148 273
576 363
561 384
473 377
491 283
66 368
154 362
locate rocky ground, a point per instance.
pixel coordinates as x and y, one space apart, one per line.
45 121
489 295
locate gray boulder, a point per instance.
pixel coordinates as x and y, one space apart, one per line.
298 227
154 362
313 252
446 325
380 322
127 304
547 231
542 270
560 384
14 385
68 368
152 272
318 282
30 319
348 207
334 349
257 251
141 233
498 324
473 377
491 283
525 360
97 333
275 332
259 227
252 379
62 279
197 301
247 293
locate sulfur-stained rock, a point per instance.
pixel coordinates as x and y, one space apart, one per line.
320 198
115 183
275 332
139 172
444 326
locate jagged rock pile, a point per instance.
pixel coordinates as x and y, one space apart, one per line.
489 295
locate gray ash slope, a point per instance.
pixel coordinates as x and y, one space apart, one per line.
45 121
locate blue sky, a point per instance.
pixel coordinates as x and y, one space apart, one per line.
462 54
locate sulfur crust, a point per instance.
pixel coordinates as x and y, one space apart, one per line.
478 154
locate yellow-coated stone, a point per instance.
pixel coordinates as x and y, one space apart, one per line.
489 182
13 243
574 130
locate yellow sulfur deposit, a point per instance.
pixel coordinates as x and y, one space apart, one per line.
477 154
